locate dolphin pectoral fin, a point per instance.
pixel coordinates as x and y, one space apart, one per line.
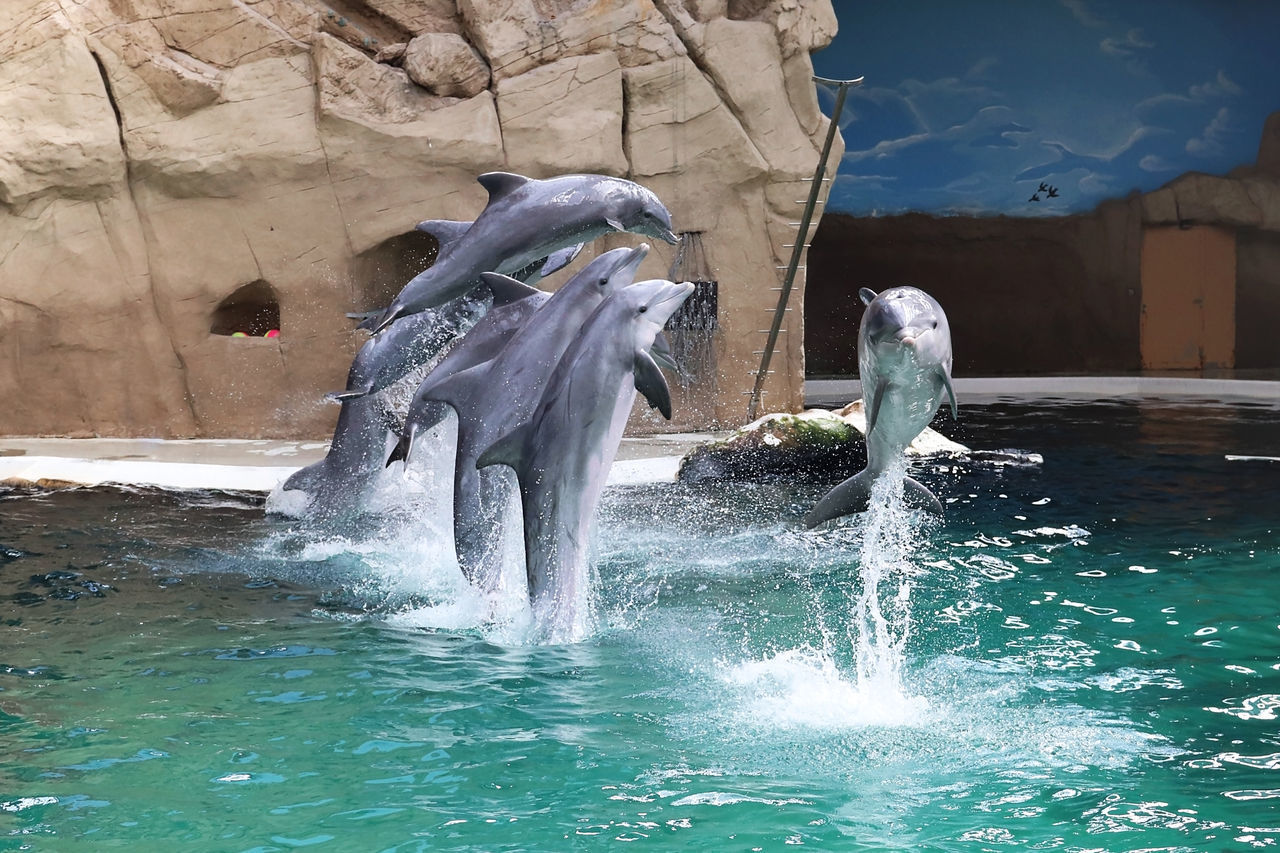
951 393
349 394
873 405
499 184
368 319
508 450
916 493
388 317
560 259
615 224
506 289
445 231
661 352
853 495
867 295
652 384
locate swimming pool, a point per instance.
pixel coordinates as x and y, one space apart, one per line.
1087 656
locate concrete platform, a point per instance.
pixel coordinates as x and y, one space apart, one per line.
248 465
260 465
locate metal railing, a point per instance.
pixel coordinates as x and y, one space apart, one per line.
800 244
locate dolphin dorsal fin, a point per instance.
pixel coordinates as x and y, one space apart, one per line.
445 231
508 450
867 295
456 388
500 184
506 289
652 384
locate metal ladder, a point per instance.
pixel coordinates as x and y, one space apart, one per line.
802 236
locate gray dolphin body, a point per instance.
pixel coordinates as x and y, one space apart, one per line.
904 362
524 221
562 455
494 397
360 440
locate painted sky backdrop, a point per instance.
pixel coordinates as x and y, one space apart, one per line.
968 107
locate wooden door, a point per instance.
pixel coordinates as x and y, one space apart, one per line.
1188 298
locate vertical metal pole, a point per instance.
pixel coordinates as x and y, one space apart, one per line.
789 280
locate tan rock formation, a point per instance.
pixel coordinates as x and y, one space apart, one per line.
573 104
162 154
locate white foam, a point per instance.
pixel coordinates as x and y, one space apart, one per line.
804 688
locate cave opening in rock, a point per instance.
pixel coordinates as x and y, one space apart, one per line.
379 273
252 309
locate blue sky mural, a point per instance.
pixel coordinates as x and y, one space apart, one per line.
969 107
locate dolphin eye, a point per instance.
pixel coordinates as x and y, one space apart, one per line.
605 281
935 324
644 308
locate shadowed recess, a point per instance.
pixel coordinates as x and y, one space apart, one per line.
379 273
252 308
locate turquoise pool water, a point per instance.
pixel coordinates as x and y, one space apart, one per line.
1080 656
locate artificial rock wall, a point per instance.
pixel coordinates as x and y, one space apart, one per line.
159 156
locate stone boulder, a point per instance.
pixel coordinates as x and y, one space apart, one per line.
817 445
445 64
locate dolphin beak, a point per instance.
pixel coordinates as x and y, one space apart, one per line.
632 261
669 236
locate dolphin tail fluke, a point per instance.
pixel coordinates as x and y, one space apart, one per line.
918 494
853 495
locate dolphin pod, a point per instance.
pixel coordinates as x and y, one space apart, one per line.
496 396
508 351
904 361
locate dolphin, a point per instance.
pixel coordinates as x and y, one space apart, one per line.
494 397
359 445
904 362
562 455
524 221
446 230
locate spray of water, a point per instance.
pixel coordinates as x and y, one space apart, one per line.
881 618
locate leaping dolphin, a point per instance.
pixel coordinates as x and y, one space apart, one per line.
495 397
562 455
904 362
524 221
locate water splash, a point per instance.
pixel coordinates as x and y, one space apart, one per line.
881 621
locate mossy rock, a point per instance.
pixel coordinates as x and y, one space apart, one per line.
817 445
